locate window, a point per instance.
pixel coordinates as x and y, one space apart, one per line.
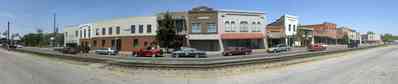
66 34
84 33
243 26
103 31
141 28
135 43
95 43
227 26
294 27
233 28
148 28
117 30
110 31
77 33
103 43
290 27
89 33
211 27
81 34
196 28
132 29
97 31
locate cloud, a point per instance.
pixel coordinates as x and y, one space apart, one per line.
7 15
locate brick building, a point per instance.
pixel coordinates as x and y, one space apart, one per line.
324 33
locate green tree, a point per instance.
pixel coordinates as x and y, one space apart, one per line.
389 37
166 35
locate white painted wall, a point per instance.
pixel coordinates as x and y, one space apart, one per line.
237 17
290 20
71 36
86 27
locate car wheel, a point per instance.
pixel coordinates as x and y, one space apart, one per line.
197 55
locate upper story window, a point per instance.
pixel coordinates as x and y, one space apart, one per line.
132 29
294 28
233 26
81 34
141 28
97 31
77 33
290 27
244 26
117 30
110 31
211 27
103 31
227 26
89 33
149 28
196 28
84 33
66 34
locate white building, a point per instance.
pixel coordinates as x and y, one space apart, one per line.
213 30
371 38
71 35
282 31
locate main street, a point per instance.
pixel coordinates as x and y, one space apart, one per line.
370 66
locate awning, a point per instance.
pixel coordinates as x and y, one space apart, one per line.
251 35
276 35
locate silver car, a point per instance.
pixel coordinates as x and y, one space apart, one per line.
278 48
106 51
189 52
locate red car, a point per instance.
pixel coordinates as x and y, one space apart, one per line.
317 47
149 52
236 51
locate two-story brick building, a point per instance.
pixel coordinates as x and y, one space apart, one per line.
324 33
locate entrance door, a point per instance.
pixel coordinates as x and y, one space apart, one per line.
118 44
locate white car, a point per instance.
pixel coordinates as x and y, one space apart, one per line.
106 51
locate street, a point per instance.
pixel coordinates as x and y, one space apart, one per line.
369 66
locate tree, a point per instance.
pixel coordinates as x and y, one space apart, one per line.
166 35
389 37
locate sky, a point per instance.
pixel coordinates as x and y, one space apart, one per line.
27 16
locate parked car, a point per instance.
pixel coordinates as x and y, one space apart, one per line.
236 51
278 48
317 47
188 52
70 50
19 46
106 51
149 52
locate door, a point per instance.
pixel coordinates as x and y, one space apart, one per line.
118 44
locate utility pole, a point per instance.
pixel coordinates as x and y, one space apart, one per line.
8 33
55 30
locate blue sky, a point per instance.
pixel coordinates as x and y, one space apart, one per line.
363 15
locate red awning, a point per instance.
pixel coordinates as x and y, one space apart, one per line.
251 35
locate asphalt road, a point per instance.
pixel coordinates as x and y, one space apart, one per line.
372 66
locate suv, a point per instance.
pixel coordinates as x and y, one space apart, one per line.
236 51
106 51
278 48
